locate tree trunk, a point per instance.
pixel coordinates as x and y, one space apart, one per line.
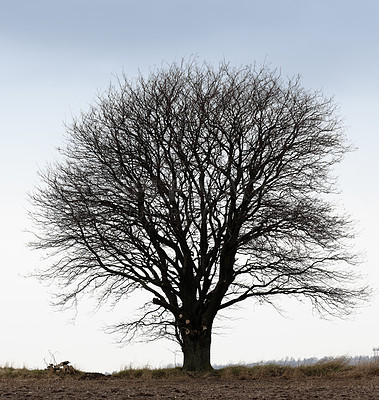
196 350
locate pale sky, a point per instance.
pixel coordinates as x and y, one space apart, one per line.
56 56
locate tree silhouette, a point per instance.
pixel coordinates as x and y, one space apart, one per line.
204 187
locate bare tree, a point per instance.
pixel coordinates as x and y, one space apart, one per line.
204 187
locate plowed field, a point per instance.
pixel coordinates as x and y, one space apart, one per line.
189 388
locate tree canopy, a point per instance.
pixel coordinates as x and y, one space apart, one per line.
204 187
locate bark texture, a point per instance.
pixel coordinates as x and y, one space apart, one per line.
197 351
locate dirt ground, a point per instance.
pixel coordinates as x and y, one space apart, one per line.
113 388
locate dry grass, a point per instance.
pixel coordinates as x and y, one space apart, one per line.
329 368
22 373
9 372
149 373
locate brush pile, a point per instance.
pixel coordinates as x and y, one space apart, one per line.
63 368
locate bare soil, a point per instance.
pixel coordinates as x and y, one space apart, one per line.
190 388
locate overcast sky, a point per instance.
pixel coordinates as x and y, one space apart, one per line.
57 55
